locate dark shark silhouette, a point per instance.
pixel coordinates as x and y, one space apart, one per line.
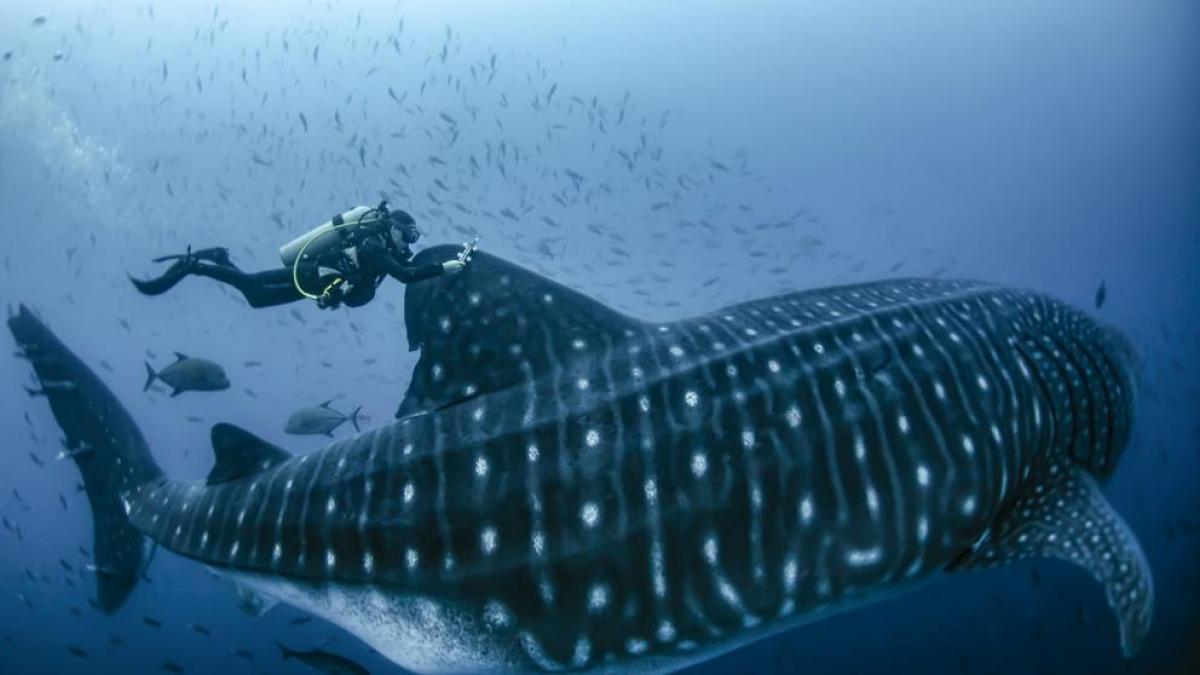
571 488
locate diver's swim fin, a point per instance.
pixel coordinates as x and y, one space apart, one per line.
216 254
185 264
167 280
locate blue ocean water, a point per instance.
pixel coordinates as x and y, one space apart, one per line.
666 158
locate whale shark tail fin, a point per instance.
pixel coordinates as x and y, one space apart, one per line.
1062 514
117 459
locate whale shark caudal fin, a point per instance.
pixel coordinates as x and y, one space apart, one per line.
119 459
495 325
240 453
1063 515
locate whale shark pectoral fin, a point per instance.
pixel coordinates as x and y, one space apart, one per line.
1064 515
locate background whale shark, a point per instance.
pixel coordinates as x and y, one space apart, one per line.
568 487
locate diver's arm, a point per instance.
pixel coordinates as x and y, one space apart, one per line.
375 256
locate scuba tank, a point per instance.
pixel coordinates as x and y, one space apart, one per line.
321 240
324 246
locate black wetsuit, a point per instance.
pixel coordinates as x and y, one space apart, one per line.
377 257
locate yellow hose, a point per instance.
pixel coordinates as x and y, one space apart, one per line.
300 256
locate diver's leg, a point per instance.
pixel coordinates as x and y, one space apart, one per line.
261 289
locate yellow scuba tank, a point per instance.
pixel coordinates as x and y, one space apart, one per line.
338 233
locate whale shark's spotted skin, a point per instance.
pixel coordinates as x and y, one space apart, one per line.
576 488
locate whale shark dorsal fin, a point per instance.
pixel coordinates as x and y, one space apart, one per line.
180 356
496 325
1063 515
240 453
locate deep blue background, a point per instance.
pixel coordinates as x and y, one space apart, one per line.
729 151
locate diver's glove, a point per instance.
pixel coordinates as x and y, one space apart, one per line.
453 266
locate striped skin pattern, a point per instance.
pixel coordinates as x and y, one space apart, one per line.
630 494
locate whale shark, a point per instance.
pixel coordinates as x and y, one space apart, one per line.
567 487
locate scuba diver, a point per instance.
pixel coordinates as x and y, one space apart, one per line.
340 262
